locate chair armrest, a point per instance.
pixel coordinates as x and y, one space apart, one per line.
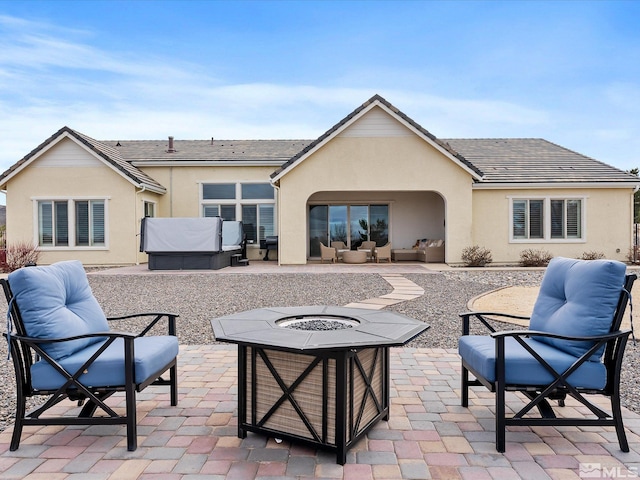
146 314
480 316
109 334
535 333
171 318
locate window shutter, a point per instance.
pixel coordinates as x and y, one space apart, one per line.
557 218
45 220
210 210
82 223
536 222
97 223
574 220
519 219
266 221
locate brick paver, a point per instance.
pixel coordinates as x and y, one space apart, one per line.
427 436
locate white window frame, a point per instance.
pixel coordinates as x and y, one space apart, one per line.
239 202
71 219
546 218
152 205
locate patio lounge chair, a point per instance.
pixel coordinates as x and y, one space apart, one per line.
370 248
327 253
573 347
62 348
383 253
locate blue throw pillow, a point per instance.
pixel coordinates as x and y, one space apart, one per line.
578 298
56 301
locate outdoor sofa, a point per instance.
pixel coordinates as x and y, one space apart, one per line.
425 250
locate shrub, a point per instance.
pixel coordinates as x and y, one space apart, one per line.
633 255
476 256
535 258
593 255
19 255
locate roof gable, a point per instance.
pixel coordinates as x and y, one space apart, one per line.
376 123
362 112
106 154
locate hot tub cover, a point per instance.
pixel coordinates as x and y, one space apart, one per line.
165 235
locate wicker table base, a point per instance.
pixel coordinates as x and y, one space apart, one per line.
330 399
354 256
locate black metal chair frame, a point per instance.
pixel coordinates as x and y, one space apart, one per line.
25 351
560 387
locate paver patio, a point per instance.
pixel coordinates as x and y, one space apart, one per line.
428 435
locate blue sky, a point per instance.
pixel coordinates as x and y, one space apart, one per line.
568 72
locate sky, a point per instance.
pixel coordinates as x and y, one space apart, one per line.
566 71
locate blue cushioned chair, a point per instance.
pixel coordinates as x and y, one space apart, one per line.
573 347
62 347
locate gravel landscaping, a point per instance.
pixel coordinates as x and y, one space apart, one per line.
199 297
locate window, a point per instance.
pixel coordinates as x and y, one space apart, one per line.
149 209
351 224
527 219
71 223
53 224
547 219
252 203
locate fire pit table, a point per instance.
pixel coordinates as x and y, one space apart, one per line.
317 374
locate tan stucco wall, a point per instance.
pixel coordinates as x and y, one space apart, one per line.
60 182
373 164
608 223
183 189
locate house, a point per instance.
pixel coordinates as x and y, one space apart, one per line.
376 174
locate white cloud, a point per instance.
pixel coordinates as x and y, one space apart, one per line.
54 76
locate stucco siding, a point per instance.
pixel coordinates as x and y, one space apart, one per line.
93 180
407 164
607 223
183 184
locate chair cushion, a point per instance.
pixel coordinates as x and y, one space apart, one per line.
151 355
56 301
578 298
478 351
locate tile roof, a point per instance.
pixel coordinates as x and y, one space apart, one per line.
266 151
534 160
104 151
495 161
113 156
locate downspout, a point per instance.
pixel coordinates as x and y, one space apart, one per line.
277 187
135 220
171 192
634 229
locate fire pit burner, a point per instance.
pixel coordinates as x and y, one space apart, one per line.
317 322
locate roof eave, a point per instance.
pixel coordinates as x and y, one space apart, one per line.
540 185
199 163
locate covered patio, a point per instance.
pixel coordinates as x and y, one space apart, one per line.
399 217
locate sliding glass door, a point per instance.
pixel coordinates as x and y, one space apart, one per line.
359 223
351 224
